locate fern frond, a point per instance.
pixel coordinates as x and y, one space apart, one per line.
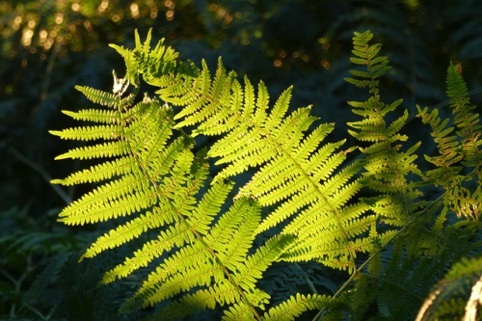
94 115
98 173
90 133
367 55
154 182
466 121
295 306
143 60
104 98
457 151
387 167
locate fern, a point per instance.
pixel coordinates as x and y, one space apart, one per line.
401 26
459 152
205 240
387 168
390 173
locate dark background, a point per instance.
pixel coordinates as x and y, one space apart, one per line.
49 46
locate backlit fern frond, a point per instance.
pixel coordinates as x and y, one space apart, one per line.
140 131
296 305
387 166
459 150
465 119
160 60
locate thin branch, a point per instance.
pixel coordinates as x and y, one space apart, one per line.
63 195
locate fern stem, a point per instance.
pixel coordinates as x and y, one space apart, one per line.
39 314
66 198
308 281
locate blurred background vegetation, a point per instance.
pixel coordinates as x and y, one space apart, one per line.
48 46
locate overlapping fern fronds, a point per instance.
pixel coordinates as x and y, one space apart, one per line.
422 238
405 222
205 240
294 171
153 180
